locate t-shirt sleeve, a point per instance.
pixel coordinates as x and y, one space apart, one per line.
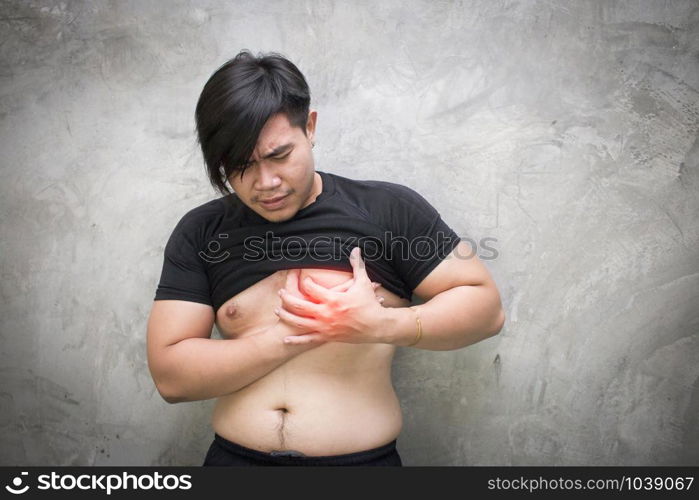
183 275
420 237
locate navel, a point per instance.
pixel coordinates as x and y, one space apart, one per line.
283 411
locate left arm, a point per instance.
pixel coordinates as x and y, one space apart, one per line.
463 306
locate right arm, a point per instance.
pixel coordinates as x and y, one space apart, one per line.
187 365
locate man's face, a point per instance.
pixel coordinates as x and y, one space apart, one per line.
281 165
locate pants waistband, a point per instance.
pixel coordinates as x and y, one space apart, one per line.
344 459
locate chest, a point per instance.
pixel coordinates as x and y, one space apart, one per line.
252 310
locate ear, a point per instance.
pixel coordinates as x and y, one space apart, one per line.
311 124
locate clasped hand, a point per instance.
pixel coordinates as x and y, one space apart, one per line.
349 312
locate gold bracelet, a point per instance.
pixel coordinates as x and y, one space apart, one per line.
418 336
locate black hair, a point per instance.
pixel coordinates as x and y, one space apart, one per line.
235 104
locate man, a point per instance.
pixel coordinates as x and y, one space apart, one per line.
307 278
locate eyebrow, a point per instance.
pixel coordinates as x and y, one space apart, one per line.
277 150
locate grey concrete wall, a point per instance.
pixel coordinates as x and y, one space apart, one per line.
567 131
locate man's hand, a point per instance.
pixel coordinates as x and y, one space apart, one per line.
349 312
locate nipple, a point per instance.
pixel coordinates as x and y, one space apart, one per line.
231 310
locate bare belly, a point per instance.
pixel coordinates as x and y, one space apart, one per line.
336 398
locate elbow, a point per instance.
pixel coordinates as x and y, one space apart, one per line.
170 397
496 313
168 394
499 322
163 379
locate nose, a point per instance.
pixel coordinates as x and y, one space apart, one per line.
268 179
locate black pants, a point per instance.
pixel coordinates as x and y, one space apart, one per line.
224 452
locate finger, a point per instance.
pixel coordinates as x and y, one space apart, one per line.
298 305
375 284
308 338
294 320
358 266
314 291
292 280
292 283
343 287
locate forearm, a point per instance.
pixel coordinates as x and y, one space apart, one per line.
453 319
200 368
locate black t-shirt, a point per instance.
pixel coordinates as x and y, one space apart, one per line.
222 247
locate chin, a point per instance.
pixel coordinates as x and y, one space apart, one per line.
277 218
279 215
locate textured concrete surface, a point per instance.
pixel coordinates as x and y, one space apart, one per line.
567 131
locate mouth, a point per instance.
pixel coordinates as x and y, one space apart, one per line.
273 202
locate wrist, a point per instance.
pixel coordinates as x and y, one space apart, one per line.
401 326
271 342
